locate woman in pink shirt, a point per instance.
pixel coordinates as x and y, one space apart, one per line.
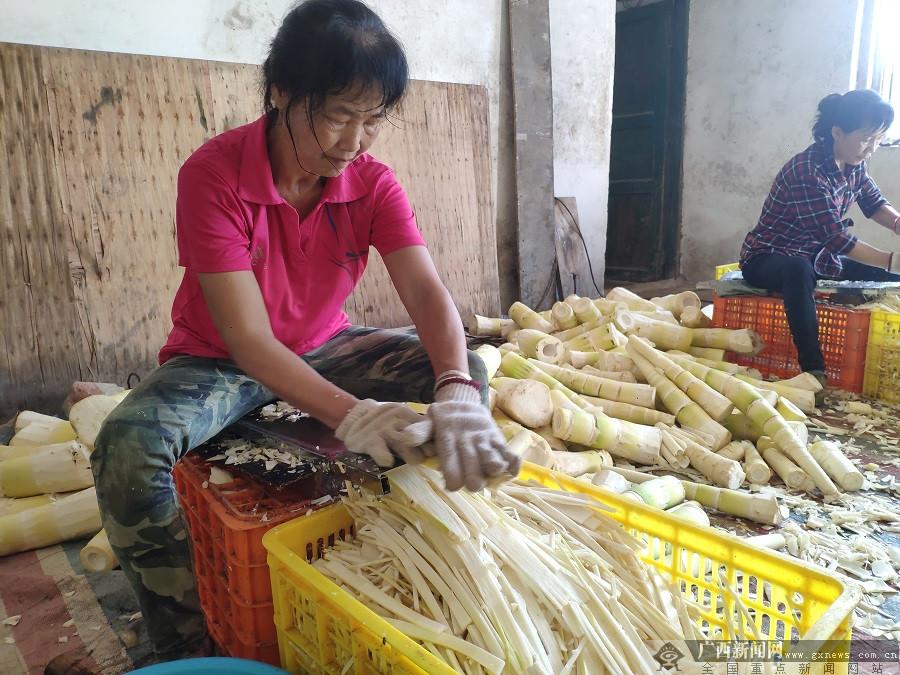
275 220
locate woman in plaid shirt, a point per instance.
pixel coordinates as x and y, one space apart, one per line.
802 234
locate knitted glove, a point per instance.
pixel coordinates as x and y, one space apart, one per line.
470 448
375 429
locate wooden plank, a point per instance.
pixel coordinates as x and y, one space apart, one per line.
123 126
93 143
449 187
529 25
575 273
38 329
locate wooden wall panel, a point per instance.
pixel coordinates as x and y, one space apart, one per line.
93 142
40 335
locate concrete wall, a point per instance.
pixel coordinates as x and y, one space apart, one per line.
756 71
583 54
463 41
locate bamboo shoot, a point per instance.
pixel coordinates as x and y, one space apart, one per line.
525 317
97 555
483 326
760 508
828 454
41 432
741 341
491 357
526 401
67 518
62 467
758 472
541 346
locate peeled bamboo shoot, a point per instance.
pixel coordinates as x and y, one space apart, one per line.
663 335
525 317
662 493
742 427
563 316
741 341
585 310
26 417
595 430
577 464
686 411
828 454
760 508
42 432
709 353
791 474
635 394
633 413
677 302
715 404
97 555
11 452
610 480
734 450
693 317
62 467
526 401
619 376
9 506
720 470
602 360
692 512
487 326
757 470
88 414
67 518
491 357
537 345
632 300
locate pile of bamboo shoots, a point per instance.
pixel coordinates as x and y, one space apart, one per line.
521 579
623 380
46 485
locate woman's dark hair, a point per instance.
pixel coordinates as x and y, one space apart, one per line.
857 109
327 47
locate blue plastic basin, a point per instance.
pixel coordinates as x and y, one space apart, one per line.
214 665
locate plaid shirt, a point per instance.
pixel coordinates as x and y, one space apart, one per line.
804 213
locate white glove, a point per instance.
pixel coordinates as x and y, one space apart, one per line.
375 429
466 440
894 265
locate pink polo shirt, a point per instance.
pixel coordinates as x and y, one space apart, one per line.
230 217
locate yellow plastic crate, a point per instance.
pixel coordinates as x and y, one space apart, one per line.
321 628
882 378
722 269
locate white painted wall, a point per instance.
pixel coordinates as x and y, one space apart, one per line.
583 47
462 41
756 72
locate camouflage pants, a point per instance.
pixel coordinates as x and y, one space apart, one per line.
182 404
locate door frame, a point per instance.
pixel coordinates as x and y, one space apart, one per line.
673 161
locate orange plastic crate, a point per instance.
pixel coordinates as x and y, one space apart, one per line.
227 523
843 334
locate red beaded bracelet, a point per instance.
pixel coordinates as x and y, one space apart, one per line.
475 384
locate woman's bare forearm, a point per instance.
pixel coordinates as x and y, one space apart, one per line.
288 376
441 332
869 255
887 216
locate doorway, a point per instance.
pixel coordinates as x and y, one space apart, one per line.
647 139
